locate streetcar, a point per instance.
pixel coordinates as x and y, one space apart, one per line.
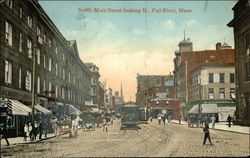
130 116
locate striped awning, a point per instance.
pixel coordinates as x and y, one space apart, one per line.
42 109
19 108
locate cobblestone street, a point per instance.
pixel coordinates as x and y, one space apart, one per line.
151 140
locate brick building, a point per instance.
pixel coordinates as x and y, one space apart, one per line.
241 25
156 93
27 34
187 61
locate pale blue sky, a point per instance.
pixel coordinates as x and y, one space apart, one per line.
123 44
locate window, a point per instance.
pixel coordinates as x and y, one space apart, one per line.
8 33
50 64
38 84
20 12
56 50
94 90
94 81
63 74
222 77
63 93
222 93
211 93
28 81
69 76
232 93
29 21
63 57
44 85
247 65
9 3
45 37
38 56
8 72
50 89
44 61
29 46
38 31
50 42
56 70
20 42
74 81
211 78
20 78
10 121
56 92
231 77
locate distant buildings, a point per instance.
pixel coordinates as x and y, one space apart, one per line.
241 25
118 100
204 75
155 93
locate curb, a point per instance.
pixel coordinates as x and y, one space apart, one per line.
220 129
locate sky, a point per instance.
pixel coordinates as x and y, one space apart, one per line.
123 44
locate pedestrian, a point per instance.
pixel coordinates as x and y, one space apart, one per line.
3 133
46 128
40 130
26 132
169 118
179 119
159 119
229 120
104 124
164 119
36 128
213 119
112 121
206 131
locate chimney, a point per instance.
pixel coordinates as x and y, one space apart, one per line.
218 46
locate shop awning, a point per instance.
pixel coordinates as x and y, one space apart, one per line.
74 110
205 108
19 108
42 109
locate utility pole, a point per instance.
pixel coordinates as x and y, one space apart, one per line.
33 85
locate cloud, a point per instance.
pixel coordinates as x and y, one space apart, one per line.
139 32
169 24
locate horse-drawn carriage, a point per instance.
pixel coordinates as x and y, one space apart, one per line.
89 123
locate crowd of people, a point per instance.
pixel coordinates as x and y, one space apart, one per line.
37 130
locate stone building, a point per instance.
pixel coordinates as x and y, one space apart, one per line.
241 25
27 36
187 61
101 97
94 83
155 93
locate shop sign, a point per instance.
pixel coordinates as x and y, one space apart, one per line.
7 92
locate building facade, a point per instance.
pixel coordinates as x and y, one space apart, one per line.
155 93
187 61
94 83
241 26
34 52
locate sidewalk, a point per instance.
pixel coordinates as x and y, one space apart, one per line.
19 140
223 126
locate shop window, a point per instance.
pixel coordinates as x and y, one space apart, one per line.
10 121
8 33
232 93
8 72
211 93
222 93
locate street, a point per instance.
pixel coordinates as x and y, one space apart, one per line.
152 140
